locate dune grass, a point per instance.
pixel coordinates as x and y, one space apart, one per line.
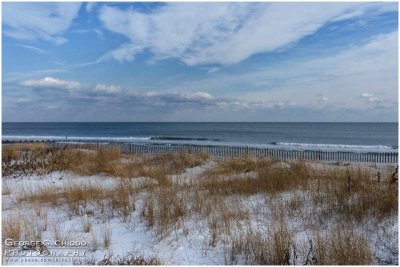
131 258
254 208
12 227
42 159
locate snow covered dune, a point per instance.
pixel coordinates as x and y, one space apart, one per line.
71 206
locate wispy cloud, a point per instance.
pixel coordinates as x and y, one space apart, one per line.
33 48
343 67
226 33
44 21
337 81
125 52
339 78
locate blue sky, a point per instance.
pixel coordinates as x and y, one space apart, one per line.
200 61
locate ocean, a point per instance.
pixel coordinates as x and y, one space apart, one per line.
299 136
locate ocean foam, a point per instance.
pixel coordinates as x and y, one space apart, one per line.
337 147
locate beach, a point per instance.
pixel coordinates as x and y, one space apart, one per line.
200 133
193 208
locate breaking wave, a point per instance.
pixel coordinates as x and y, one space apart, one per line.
336 147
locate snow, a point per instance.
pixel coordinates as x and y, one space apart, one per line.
189 244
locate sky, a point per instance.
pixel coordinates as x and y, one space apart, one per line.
179 61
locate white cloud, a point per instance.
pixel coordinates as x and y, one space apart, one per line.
223 33
72 86
108 89
50 82
52 107
366 95
44 21
371 98
196 95
321 99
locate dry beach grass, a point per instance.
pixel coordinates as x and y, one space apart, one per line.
254 211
